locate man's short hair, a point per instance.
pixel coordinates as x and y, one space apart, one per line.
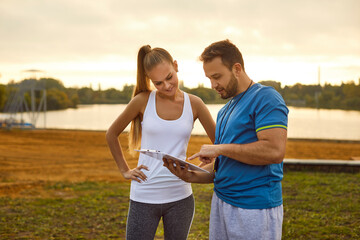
228 52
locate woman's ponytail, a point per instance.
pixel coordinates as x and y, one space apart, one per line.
142 85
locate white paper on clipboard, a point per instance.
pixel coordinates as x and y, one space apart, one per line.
160 155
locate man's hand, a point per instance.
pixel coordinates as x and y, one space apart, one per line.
182 172
207 153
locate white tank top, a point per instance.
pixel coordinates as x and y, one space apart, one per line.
170 136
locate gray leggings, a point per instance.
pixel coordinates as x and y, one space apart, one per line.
143 219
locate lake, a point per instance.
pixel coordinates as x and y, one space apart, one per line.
303 122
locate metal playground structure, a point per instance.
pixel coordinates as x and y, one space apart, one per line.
28 99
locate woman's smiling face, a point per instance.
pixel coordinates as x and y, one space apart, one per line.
164 78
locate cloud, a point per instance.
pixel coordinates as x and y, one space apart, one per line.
40 31
93 27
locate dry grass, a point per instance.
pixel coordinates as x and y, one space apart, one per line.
30 158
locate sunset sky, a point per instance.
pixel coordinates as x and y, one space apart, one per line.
83 42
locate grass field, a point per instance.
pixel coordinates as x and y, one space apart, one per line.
316 206
58 184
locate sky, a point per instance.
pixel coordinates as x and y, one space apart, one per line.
92 43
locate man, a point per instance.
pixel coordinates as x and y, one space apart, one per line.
251 132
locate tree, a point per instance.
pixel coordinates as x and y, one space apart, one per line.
2 96
50 83
85 95
57 99
274 84
127 92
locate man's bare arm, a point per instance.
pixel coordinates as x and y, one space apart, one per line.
269 149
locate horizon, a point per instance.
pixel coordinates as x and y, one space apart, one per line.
181 82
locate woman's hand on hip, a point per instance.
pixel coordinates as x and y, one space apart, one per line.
136 174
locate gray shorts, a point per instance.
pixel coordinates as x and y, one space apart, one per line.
229 222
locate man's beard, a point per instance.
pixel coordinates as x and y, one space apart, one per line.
231 88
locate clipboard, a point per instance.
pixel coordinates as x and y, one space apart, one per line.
160 155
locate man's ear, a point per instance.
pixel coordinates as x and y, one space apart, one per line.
175 64
236 69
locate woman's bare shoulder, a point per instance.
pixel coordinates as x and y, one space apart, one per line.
195 100
141 97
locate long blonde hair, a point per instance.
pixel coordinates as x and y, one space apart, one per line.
147 59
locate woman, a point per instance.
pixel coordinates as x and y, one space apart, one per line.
161 119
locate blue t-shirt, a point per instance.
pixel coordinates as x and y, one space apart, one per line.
239 184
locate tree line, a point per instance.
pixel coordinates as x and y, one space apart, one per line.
345 96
